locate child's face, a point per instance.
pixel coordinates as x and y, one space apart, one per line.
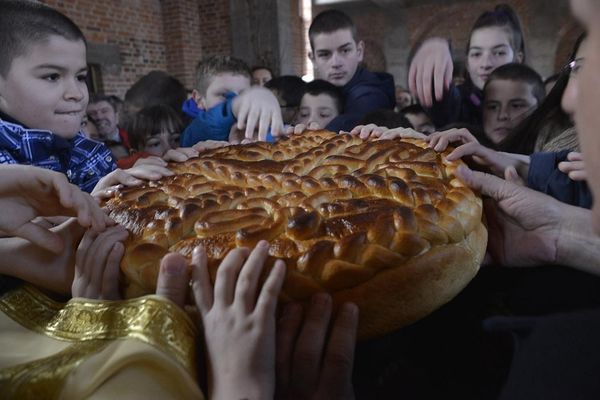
336 56
159 143
489 49
220 85
420 122
45 87
261 76
506 104
320 109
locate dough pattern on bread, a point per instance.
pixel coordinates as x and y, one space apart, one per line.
382 223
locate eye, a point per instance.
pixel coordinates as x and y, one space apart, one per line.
518 106
324 115
475 54
346 51
51 77
501 53
82 77
491 107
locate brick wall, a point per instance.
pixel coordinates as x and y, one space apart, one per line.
215 27
183 38
172 35
135 27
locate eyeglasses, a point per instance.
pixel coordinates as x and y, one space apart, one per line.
574 67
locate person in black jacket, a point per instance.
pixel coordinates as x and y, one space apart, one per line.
336 54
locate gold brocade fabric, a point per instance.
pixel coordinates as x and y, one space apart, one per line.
89 327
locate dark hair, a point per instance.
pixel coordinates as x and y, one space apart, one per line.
503 16
413 109
551 78
319 86
211 66
156 87
152 121
549 115
330 21
519 73
386 117
98 97
290 89
23 23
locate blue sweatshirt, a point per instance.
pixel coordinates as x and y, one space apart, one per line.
365 92
214 124
544 176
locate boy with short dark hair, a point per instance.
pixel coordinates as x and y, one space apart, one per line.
512 92
320 104
336 54
418 118
223 90
43 95
289 90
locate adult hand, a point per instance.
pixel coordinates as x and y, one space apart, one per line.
28 192
239 322
257 107
524 225
310 363
97 264
432 63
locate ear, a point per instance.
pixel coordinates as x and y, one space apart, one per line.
360 49
311 57
199 99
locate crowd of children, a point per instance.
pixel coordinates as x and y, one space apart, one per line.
61 150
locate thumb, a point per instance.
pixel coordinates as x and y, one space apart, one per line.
173 278
41 237
486 184
511 175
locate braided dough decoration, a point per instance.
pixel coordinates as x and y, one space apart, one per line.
383 224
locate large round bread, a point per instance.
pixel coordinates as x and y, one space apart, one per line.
384 224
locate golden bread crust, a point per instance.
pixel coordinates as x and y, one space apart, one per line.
384 224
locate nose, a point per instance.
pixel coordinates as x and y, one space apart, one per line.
336 60
486 61
569 97
503 114
75 89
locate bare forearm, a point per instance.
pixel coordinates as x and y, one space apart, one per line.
578 246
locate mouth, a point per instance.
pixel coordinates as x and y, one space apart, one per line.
73 113
484 77
337 76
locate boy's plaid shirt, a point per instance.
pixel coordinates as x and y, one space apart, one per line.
84 161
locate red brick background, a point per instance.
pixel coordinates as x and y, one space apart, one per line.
173 35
